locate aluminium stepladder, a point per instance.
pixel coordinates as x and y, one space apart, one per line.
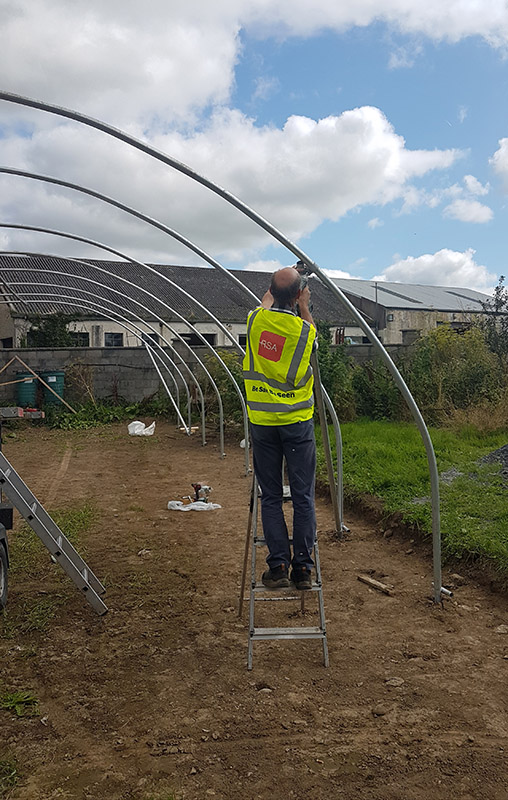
51 536
259 593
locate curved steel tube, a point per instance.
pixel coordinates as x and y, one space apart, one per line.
123 325
107 312
155 223
117 305
313 267
122 294
180 317
96 283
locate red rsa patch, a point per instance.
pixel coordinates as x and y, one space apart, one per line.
271 345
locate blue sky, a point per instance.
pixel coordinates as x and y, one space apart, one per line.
440 95
374 134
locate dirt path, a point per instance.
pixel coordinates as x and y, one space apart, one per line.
154 702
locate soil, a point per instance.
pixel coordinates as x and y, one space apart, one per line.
153 701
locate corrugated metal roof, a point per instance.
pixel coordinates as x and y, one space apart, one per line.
414 296
208 286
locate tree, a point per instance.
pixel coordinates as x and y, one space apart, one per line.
495 322
49 331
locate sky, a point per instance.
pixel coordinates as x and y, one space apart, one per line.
372 133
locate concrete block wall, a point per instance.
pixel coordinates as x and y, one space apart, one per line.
123 372
115 371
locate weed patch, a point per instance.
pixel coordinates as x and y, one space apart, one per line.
32 617
20 703
26 551
9 776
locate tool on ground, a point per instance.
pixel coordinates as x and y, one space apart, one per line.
201 492
259 593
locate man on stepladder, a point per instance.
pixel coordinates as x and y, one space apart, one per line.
278 383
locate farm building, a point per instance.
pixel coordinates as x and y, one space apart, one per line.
398 312
92 329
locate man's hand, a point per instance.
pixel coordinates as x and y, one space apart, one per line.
267 301
304 297
303 305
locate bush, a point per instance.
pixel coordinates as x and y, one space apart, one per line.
93 414
336 371
446 371
376 393
229 396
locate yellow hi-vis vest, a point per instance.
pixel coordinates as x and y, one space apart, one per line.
276 369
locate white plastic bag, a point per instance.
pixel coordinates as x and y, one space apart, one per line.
137 428
198 505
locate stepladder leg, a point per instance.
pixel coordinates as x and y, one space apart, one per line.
247 545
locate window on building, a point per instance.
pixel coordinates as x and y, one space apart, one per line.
460 326
7 342
80 338
242 339
194 340
113 340
150 337
409 336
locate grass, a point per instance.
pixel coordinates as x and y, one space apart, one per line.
28 557
26 551
388 460
9 776
32 617
20 703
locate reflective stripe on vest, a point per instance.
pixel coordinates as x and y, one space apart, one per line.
278 407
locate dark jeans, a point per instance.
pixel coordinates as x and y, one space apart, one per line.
296 443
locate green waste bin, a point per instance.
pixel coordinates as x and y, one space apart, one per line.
26 394
55 379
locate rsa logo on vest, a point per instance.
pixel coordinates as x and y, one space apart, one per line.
271 345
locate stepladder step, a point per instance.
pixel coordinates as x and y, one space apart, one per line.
288 633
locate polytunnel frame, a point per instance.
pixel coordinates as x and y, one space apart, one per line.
312 266
337 496
124 324
130 299
163 277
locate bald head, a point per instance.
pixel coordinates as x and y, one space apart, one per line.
285 286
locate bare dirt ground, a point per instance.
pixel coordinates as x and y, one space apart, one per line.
154 701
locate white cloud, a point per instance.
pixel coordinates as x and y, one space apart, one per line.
468 211
265 266
265 88
452 20
297 176
474 186
404 56
443 268
375 222
167 60
499 161
462 114
340 273
165 71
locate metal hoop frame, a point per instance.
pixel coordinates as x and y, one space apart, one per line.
312 266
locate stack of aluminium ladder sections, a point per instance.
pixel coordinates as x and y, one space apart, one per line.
259 593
